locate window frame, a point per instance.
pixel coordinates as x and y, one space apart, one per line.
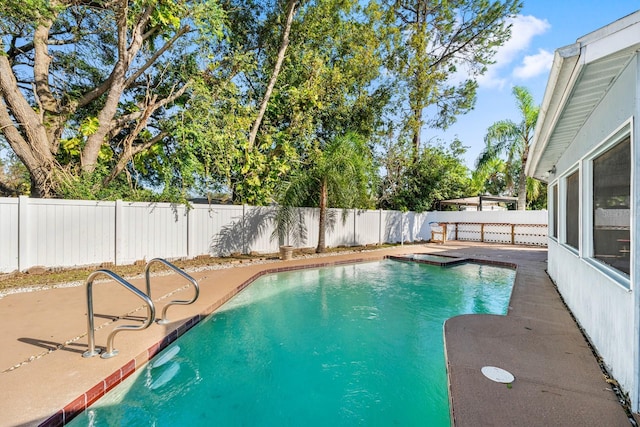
562 213
553 210
588 252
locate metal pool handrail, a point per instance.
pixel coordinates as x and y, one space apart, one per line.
151 313
163 319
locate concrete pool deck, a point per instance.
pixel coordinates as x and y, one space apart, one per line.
43 377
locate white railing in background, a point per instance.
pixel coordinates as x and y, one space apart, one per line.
515 234
68 233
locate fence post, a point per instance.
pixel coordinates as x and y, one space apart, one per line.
513 234
190 231
119 238
380 227
482 232
23 233
244 229
355 226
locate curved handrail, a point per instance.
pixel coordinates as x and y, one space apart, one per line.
163 319
151 313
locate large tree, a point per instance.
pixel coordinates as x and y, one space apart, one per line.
438 50
324 90
85 85
512 140
261 36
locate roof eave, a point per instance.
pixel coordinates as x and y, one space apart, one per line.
564 73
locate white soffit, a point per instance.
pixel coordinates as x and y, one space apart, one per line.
581 76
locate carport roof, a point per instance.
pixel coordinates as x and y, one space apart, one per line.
479 201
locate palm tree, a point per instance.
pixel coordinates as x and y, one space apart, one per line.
338 176
513 139
536 194
490 178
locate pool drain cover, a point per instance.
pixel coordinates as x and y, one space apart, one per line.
498 375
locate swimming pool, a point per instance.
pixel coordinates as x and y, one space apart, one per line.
355 344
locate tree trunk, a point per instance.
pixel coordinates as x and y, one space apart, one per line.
323 217
276 70
522 189
42 185
416 134
31 144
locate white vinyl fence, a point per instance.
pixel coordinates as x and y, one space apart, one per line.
68 233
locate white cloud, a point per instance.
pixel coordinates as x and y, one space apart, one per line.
523 29
534 65
491 78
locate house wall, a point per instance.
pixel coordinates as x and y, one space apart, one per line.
604 304
635 235
602 307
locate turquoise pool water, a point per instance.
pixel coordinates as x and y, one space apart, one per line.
351 345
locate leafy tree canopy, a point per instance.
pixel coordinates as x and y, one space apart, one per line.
417 185
323 91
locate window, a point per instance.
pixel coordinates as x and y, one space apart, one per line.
554 211
612 206
572 211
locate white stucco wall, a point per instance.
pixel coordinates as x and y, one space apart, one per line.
603 308
604 305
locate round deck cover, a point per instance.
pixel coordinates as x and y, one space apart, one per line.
498 375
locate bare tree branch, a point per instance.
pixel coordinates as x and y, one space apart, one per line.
129 149
89 155
291 11
156 55
121 122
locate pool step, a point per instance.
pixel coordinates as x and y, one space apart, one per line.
444 263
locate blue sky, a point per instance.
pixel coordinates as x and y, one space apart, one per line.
541 27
